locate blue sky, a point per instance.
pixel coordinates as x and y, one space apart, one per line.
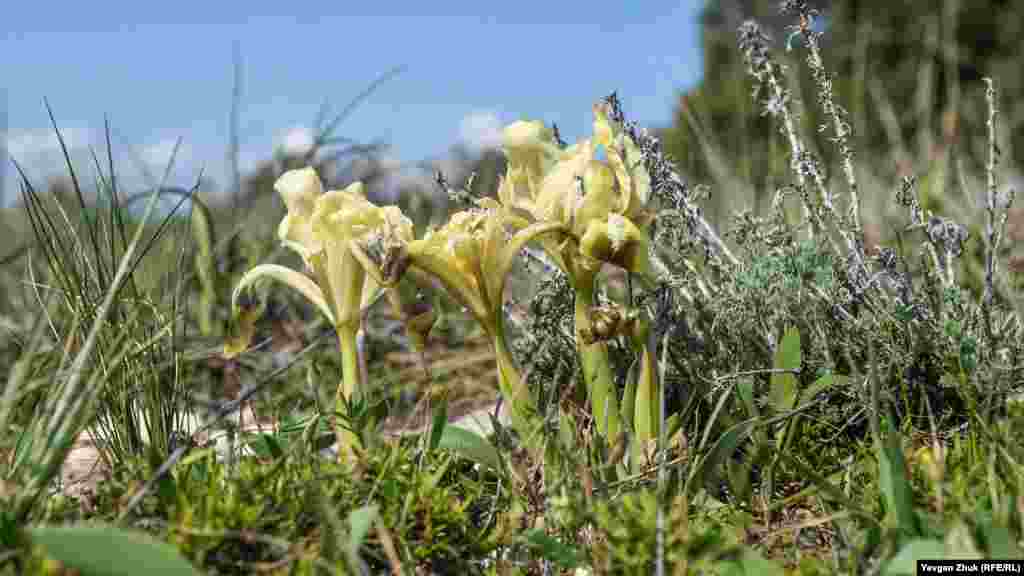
163 71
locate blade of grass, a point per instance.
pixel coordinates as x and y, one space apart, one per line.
46 233
355 102
102 273
69 407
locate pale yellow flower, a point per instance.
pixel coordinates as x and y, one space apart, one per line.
328 230
599 202
472 255
600 205
332 231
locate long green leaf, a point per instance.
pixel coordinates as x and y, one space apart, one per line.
782 396
109 551
905 562
999 541
745 392
899 499
438 425
470 445
706 470
823 484
822 384
783 385
360 521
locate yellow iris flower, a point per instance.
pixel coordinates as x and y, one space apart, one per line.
330 231
599 203
472 255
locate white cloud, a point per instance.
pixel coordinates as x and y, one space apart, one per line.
296 141
38 152
157 156
481 130
28 145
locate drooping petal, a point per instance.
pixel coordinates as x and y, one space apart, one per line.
430 255
600 196
617 241
632 175
499 270
492 241
296 280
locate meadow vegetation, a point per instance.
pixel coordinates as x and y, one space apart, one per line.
825 381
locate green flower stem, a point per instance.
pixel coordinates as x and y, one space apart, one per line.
522 408
597 373
349 362
348 387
